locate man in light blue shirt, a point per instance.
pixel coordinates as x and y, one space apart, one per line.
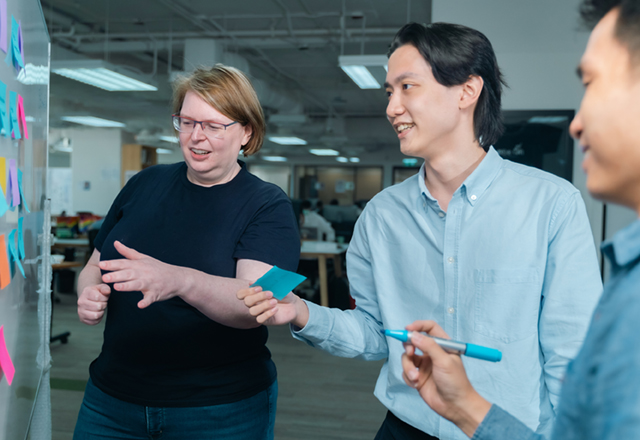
498 253
600 397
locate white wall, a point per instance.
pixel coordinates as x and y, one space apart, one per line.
96 159
538 45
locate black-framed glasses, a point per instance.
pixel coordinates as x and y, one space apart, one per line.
209 128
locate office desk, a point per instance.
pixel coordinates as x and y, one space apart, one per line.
323 250
64 336
70 242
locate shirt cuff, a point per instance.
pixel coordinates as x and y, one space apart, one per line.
500 425
318 326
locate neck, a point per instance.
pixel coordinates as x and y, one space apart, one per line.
208 180
445 172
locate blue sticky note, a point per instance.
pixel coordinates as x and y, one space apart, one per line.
3 204
279 281
21 191
13 115
4 117
13 252
21 253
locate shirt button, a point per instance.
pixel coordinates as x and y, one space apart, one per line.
451 259
473 197
451 310
441 214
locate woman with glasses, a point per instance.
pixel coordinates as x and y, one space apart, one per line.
182 358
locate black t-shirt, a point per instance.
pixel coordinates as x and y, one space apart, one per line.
170 354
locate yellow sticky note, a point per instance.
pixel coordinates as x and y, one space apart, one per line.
3 175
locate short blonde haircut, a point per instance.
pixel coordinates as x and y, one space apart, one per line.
230 92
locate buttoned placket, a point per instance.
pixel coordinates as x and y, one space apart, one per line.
450 263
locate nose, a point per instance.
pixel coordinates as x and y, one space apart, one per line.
394 107
197 132
576 126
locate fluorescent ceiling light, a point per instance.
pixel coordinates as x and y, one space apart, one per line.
32 74
324 152
367 71
164 151
172 139
361 76
287 140
274 158
92 121
354 159
342 159
104 75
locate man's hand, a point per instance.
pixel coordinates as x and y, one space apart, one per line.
270 311
92 303
441 380
156 280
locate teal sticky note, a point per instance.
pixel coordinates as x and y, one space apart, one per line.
3 204
13 115
21 253
21 191
279 281
4 119
14 252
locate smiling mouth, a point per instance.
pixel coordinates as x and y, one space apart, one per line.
400 128
199 152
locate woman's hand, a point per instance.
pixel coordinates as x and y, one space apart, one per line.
92 303
441 380
270 311
156 280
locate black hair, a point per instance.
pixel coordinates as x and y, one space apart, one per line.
306 204
628 23
455 53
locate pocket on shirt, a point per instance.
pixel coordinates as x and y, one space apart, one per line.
507 303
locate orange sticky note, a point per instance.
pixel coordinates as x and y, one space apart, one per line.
5 273
6 364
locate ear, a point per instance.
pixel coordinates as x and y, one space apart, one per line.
471 91
248 132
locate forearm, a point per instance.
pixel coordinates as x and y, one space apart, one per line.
90 274
215 297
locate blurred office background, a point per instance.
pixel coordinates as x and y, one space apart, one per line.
328 139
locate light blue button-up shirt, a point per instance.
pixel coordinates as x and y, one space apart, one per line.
511 265
601 395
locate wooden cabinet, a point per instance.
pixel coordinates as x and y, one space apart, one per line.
136 157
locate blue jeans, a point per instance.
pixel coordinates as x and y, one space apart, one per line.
105 417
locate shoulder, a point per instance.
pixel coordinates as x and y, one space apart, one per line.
154 173
258 189
402 193
536 178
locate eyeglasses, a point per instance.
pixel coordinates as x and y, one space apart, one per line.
210 129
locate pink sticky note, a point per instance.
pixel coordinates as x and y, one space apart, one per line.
22 118
13 183
6 364
3 25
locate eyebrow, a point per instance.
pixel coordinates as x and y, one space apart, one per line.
401 77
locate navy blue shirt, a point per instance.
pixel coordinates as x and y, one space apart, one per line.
170 354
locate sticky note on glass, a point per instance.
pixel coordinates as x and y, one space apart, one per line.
279 281
5 272
6 364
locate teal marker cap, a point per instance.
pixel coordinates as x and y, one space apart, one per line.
401 335
484 353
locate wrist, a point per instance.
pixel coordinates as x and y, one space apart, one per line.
471 414
302 313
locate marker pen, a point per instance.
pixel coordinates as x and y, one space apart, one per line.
471 350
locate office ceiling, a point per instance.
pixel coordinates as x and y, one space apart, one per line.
289 47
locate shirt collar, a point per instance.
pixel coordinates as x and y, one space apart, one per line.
478 181
624 247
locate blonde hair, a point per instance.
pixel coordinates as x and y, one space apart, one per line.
230 92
